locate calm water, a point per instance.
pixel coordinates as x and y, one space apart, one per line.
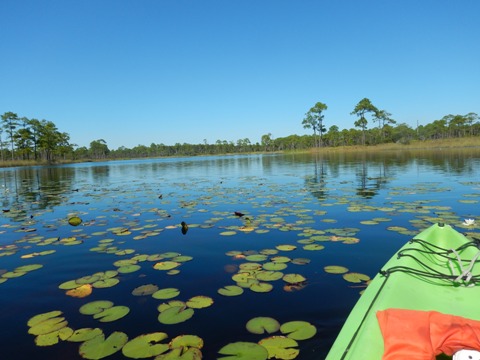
138 206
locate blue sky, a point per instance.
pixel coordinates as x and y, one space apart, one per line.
167 71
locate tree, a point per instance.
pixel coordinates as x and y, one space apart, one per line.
98 149
266 141
49 139
10 122
363 107
314 120
383 118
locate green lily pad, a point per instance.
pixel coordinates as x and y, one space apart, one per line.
228 233
182 258
84 334
48 326
187 341
280 259
148 289
175 315
256 257
261 325
335 269
106 283
99 347
112 314
167 293
286 247
74 221
181 354
280 347
269 275
273 266
356 277
53 337
243 351
86 280
298 330
95 307
128 269
199 302
313 247
230 290
294 278
170 304
27 268
145 346
301 261
261 287
166 265
37 319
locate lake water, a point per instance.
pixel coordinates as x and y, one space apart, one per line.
350 210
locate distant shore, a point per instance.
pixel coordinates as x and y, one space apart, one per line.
414 145
431 145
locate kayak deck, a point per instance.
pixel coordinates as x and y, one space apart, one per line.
420 276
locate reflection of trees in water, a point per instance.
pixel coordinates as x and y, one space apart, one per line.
35 188
317 183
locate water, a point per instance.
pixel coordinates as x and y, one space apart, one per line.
139 205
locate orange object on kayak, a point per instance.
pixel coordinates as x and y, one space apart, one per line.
421 335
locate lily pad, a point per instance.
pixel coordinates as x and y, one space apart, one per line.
261 325
294 278
106 283
175 315
199 302
261 287
37 319
99 347
243 351
53 337
95 307
84 334
81 291
298 330
142 290
356 277
74 221
280 347
269 275
187 341
112 314
167 293
166 265
286 247
335 269
145 346
230 290
48 326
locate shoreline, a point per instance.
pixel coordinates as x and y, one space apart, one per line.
415 145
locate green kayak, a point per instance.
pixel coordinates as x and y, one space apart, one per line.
436 271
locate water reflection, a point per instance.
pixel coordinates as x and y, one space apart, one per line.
35 188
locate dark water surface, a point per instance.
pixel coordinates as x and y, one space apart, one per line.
139 205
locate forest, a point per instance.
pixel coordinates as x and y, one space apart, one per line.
33 140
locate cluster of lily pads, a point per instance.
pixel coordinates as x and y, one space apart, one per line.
50 328
282 346
18 271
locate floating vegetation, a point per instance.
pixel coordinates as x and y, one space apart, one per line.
279 346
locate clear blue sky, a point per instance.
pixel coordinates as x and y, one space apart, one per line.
167 71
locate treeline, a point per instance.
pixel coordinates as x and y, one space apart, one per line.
40 140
